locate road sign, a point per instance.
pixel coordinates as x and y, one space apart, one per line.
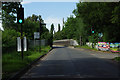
100 34
36 35
19 44
1 28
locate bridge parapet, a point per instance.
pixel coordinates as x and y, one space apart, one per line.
66 42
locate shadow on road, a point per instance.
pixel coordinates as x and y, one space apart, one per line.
58 47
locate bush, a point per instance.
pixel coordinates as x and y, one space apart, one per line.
9 38
117 59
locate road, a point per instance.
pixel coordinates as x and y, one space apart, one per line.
74 63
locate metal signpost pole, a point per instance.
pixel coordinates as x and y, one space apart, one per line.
92 36
20 20
21 42
1 29
40 34
40 38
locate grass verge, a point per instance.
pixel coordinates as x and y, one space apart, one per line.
12 61
86 47
117 59
115 49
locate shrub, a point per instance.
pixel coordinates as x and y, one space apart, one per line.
9 38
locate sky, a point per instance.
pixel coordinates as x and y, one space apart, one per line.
51 12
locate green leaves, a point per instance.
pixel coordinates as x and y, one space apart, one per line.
103 17
9 13
52 28
58 27
116 15
9 38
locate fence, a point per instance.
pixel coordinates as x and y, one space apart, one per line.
33 43
0 55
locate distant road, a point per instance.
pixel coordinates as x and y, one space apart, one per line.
73 63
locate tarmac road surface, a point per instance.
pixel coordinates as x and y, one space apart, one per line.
74 63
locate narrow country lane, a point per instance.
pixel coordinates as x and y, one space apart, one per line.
68 62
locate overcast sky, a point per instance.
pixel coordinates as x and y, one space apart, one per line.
51 12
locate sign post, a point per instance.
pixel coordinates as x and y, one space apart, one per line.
40 34
36 35
1 29
92 36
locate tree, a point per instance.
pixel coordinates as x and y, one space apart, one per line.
52 28
58 27
99 15
29 30
9 40
51 34
104 17
12 29
9 12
